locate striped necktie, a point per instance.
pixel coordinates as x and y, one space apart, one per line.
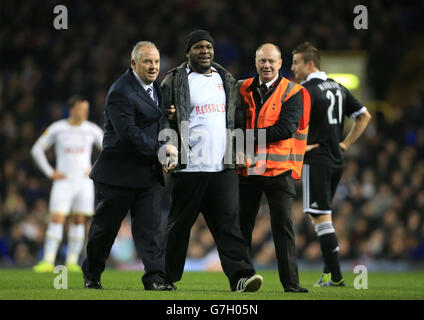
152 95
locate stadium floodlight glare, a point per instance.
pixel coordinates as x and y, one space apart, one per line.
349 80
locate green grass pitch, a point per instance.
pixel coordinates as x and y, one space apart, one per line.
126 285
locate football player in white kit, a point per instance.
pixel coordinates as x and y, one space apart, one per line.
72 191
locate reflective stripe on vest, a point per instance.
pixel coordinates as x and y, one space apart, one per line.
300 136
284 157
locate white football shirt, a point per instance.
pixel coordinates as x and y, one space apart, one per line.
73 147
207 124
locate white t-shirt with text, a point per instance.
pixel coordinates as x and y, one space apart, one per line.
207 124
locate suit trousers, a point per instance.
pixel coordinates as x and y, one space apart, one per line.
280 192
215 195
144 207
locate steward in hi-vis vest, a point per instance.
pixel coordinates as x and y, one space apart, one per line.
280 107
280 155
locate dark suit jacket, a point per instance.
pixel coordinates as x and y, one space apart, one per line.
130 143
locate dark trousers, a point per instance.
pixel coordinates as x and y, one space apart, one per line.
279 191
216 195
144 208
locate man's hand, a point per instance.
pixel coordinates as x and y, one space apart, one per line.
57 175
310 147
343 146
170 113
171 158
87 173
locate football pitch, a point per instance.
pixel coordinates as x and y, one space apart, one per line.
19 284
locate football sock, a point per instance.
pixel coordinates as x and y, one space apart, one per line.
329 248
54 235
76 235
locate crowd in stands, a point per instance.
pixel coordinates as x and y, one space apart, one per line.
379 204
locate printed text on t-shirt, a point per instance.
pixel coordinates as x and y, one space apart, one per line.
210 108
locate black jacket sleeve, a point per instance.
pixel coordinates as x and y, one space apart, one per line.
122 115
240 116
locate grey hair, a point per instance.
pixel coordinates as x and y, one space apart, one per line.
135 53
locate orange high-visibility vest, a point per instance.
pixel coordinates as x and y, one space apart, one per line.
279 156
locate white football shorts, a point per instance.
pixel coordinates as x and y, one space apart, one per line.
72 196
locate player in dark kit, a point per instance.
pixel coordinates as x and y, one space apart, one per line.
323 163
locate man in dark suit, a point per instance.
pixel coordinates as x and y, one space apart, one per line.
127 174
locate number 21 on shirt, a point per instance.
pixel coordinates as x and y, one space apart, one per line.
330 112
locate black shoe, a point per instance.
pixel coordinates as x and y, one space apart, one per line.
92 284
156 286
296 288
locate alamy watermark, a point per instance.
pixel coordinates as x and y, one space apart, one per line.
361 280
60 281
189 151
361 20
61 20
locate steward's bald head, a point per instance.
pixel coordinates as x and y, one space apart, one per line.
268 61
268 47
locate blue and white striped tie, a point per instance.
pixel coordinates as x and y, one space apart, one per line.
152 95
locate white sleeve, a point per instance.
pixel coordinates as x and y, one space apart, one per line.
98 136
37 151
357 113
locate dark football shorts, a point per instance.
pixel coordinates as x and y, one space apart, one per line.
319 185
